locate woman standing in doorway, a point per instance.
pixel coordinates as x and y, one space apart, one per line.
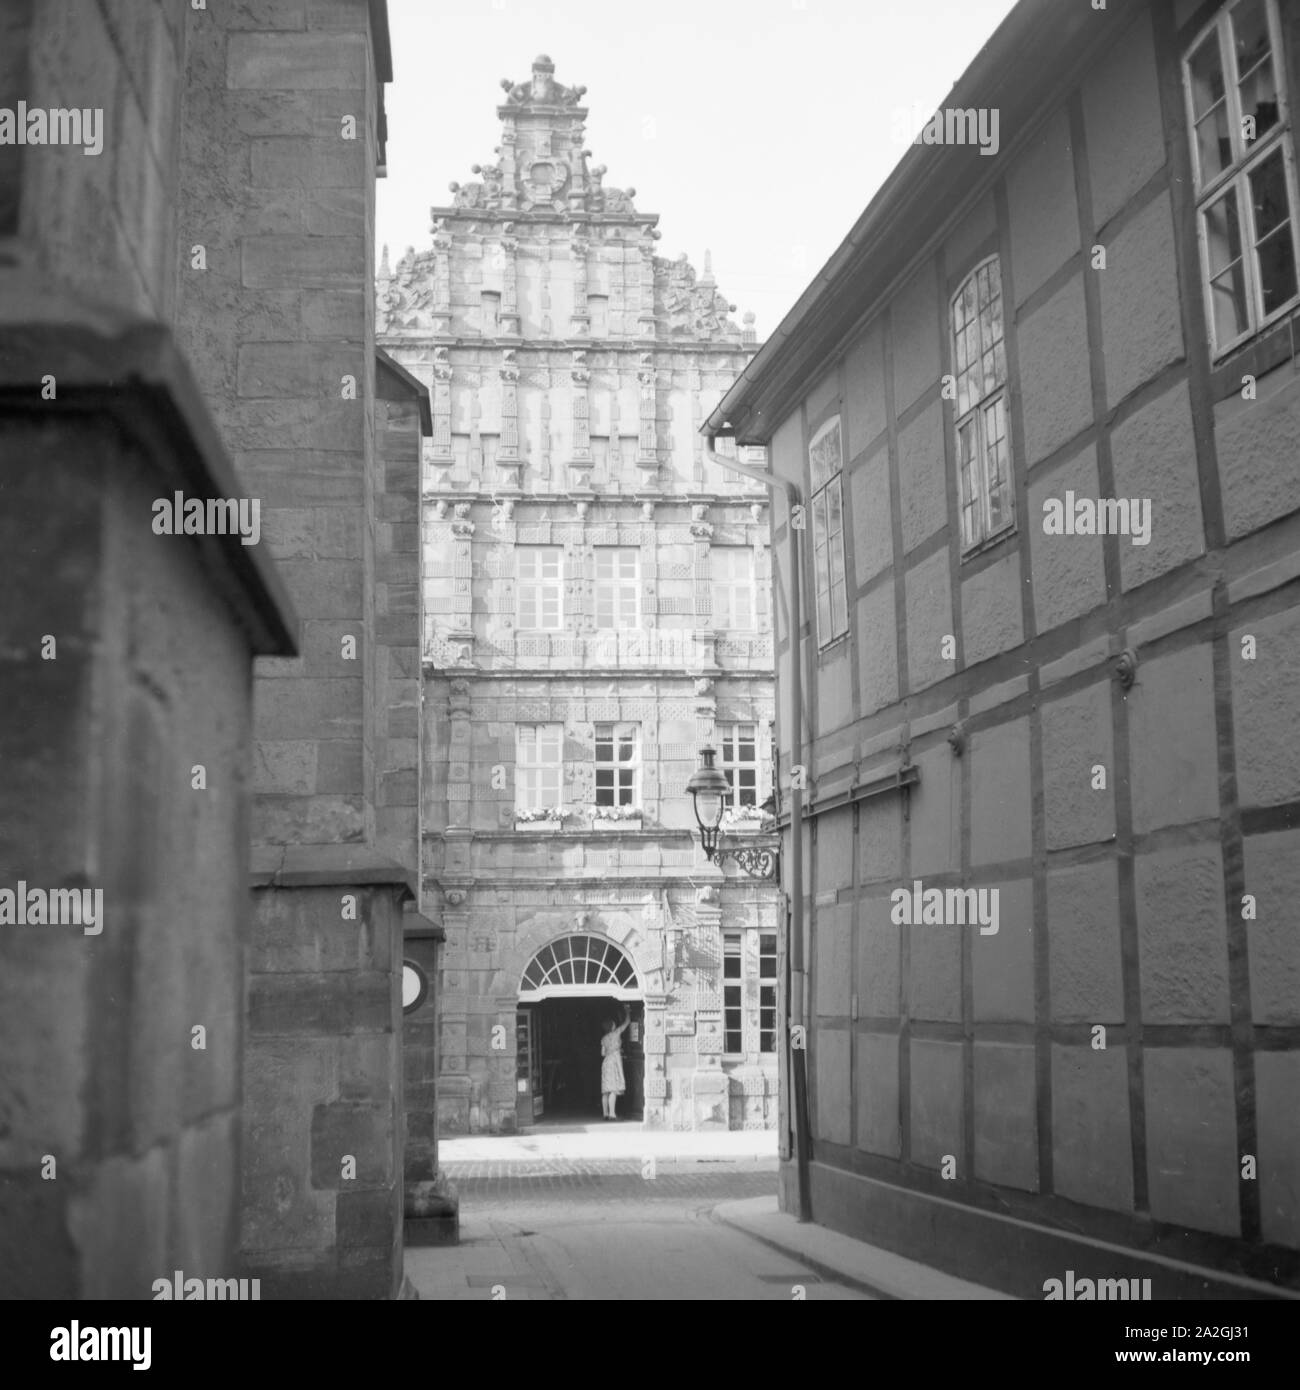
612 1082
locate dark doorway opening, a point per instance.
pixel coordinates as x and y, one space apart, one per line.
568 1057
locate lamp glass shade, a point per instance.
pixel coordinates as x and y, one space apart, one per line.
708 809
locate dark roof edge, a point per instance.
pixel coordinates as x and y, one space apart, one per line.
412 383
921 180
111 363
379 37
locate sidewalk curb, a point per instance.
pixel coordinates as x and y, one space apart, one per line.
819 1267
725 1214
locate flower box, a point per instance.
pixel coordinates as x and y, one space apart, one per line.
545 821
616 823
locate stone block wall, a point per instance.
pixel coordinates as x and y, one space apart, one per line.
284 113
1121 1056
127 677
127 680
322 1185
105 222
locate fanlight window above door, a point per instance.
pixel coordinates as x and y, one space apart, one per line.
579 965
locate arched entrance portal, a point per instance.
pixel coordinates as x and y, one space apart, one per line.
568 988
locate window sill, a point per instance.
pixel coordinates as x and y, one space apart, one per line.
1272 347
832 648
989 544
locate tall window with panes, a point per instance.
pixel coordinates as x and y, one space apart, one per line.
1243 166
767 991
618 765
733 1029
739 760
731 585
826 465
539 766
979 360
539 588
618 587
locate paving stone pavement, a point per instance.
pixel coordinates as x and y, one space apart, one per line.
484 1170
612 1236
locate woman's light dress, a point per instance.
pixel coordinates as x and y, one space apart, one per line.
611 1066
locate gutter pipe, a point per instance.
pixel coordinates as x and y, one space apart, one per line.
796 984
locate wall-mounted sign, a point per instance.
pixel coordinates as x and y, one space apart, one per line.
680 1023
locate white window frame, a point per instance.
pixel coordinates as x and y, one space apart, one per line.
733 597
733 948
1236 176
830 625
616 592
539 592
621 736
976 417
539 766
768 982
731 763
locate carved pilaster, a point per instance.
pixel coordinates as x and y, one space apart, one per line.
441 454
508 461
647 449
580 460
509 283
442 242
579 248
645 319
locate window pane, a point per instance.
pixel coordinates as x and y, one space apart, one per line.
968 302
1255 67
1206 69
824 453
1277 269
1268 194
1213 143
1210 109
1223 233
834 509
821 566
967 392
1275 250
1227 270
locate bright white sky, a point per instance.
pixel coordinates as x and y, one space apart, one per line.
759 129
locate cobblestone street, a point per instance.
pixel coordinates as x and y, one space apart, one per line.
552 1226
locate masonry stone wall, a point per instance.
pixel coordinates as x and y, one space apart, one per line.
127 684
121 1150
1126 1043
284 113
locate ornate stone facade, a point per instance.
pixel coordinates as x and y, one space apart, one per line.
570 368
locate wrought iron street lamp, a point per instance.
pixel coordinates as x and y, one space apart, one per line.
710 792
